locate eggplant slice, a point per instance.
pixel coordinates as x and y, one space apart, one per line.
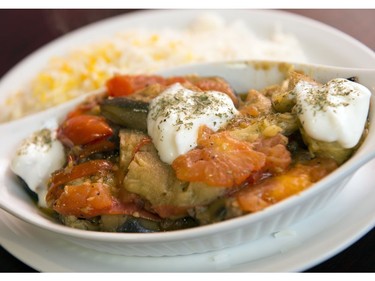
126 112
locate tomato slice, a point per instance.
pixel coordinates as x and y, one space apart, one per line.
130 208
272 190
78 171
89 199
94 199
125 85
68 174
95 147
83 129
84 201
175 79
278 158
216 84
170 211
83 108
219 160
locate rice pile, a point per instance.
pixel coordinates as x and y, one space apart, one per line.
208 38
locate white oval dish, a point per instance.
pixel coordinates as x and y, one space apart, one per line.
242 76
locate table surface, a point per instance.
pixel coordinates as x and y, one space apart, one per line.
359 23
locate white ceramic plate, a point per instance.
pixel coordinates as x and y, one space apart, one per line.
320 44
297 248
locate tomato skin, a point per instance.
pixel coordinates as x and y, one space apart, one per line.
78 171
68 174
176 79
94 147
278 158
216 84
89 199
84 201
94 199
219 160
272 190
130 208
125 85
169 211
83 108
83 129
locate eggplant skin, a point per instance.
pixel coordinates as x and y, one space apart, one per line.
33 195
127 224
127 113
140 225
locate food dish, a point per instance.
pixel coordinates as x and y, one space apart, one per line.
214 236
321 239
88 192
351 44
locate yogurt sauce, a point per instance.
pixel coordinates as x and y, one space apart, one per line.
37 157
336 111
177 113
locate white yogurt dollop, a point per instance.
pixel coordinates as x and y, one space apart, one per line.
37 157
177 113
336 111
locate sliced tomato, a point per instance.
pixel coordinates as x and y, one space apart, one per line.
130 208
216 84
84 201
85 169
69 174
144 141
274 189
83 108
125 85
95 147
219 160
83 129
169 211
94 199
278 157
175 79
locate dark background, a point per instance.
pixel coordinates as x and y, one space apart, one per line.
24 31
